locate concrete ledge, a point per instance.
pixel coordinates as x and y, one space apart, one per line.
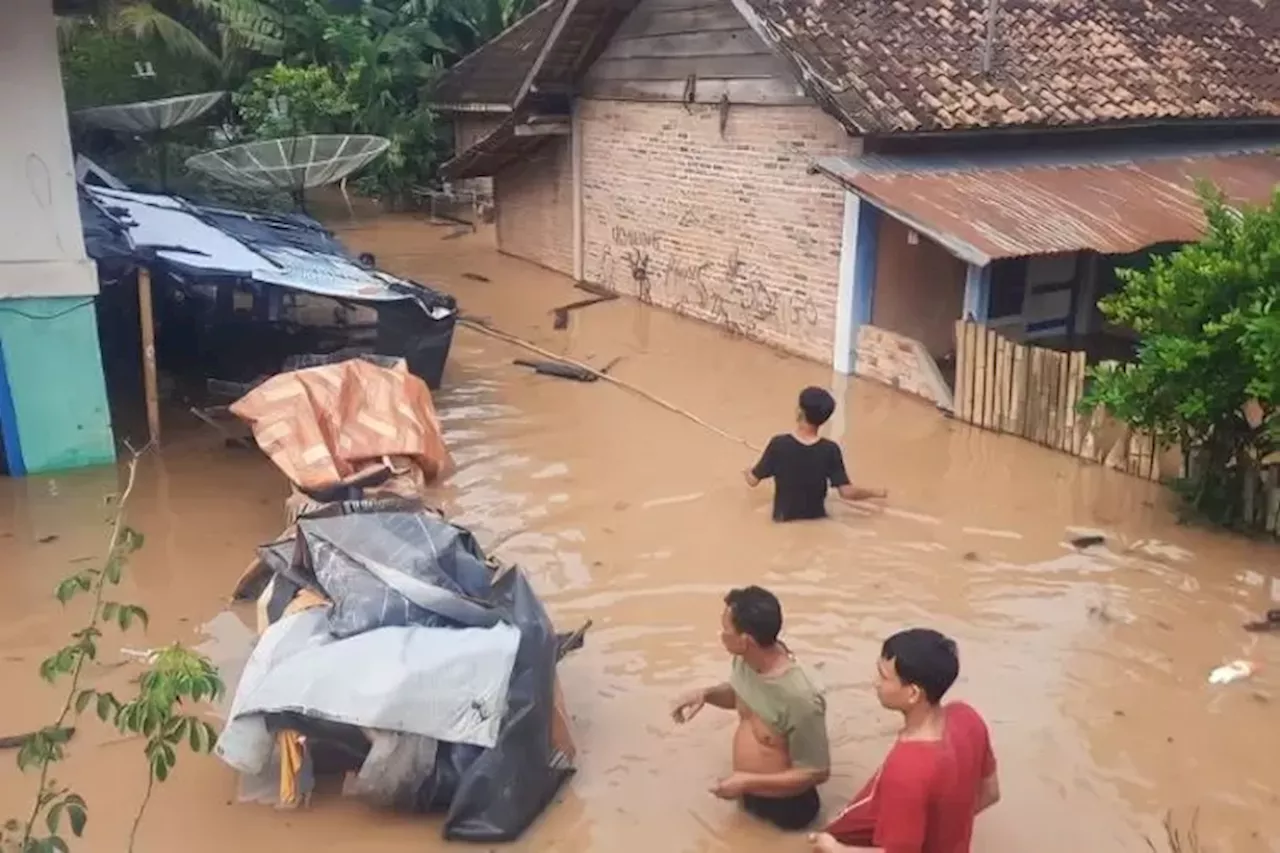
37 279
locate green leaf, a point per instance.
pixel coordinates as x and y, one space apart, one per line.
107 706
113 569
78 815
83 700
109 610
67 590
54 816
57 845
197 737
130 540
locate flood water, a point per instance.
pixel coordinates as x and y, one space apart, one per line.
1091 668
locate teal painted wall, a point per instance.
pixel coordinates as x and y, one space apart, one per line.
54 365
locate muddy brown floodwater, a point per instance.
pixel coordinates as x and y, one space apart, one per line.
1090 668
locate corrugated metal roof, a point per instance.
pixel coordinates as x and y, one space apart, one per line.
499 148
1109 201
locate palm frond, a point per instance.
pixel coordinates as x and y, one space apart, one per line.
145 22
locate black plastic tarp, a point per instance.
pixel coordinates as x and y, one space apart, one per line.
359 554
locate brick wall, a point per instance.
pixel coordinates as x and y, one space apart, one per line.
730 229
902 362
919 288
534 201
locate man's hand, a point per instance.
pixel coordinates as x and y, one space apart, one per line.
731 787
752 479
688 706
821 842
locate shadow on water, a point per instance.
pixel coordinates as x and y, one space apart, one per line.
1090 666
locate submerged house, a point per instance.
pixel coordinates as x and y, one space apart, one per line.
845 180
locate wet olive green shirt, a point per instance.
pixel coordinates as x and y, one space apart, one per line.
789 704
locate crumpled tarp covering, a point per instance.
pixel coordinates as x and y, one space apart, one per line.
325 425
387 637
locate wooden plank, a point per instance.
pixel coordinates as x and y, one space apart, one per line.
971 368
695 45
1064 402
147 320
997 382
724 67
1078 368
1018 393
992 384
1051 396
980 376
1006 381
962 382
693 16
1035 397
772 91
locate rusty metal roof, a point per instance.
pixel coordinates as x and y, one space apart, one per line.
1110 201
500 147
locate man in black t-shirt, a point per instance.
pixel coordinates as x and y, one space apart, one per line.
803 464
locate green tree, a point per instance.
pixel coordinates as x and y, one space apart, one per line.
218 36
290 101
1209 320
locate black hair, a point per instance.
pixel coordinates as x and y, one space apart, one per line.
756 612
817 405
925 658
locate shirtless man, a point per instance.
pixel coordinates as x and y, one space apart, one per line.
803 464
780 752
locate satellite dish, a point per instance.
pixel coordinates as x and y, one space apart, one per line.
146 117
149 116
295 163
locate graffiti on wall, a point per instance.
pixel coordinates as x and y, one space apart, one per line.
728 290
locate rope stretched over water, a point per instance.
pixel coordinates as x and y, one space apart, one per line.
486 329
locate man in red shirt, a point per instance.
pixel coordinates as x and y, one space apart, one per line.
941 771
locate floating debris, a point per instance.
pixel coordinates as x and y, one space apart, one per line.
1270 622
560 369
1234 671
475 276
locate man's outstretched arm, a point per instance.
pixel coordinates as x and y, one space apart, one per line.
851 492
763 469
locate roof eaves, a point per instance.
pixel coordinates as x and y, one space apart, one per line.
822 90
835 167
446 107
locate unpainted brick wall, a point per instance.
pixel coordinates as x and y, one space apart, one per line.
902 362
534 201
730 229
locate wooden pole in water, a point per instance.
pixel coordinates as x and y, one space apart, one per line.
146 317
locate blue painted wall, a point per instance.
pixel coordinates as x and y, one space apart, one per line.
53 402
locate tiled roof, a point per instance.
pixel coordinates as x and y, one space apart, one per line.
917 65
492 75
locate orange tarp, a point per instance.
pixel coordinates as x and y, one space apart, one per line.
328 425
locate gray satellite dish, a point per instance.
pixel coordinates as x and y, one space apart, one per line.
147 117
295 163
